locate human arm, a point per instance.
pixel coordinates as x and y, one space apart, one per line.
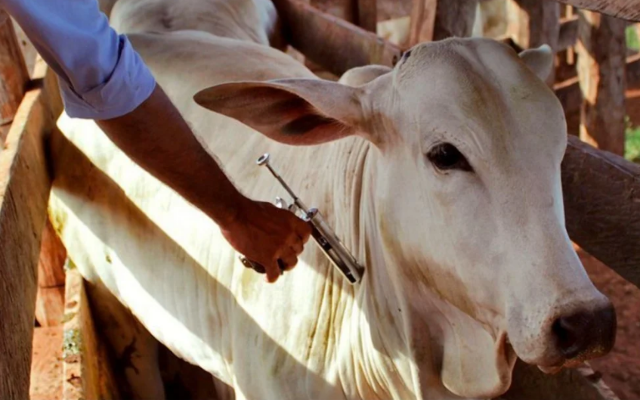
103 78
156 137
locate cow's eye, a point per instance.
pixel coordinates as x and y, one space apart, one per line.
445 156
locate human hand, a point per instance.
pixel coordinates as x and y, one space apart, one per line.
265 234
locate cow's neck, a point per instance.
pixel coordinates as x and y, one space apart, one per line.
376 319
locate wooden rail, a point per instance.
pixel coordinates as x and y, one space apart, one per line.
624 9
335 44
602 206
24 189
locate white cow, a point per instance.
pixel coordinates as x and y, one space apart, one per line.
442 176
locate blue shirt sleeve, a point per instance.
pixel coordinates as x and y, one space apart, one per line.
101 75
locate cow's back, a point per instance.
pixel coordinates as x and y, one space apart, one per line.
248 20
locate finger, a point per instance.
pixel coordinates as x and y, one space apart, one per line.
302 229
273 272
295 244
289 262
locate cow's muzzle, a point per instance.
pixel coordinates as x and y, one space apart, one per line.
584 335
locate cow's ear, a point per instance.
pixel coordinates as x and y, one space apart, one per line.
539 60
291 111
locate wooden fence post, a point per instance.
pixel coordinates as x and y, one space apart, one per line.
13 74
625 9
571 56
533 23
601 53
367 14
440 19
24 190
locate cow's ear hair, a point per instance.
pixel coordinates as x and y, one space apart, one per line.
539 60
291 111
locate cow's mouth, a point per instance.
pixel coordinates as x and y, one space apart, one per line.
554 369
505 349
508 352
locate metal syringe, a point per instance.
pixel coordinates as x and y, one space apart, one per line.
321 232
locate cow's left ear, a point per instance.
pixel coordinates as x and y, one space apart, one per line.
539 60
291 111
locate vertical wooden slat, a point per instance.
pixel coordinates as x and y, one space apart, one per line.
13 74
533 23
601 52
440 19
367 14
423 17
51 278
571 54
454 18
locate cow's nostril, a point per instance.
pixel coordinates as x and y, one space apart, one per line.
586 334
569 333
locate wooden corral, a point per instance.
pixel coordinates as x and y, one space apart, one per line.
601 189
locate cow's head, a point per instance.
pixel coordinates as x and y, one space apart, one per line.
468 198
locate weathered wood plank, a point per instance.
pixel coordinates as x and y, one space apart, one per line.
568 35
24 189
51 278
452 18
571 97
624 9
52 257
423 17
49 305
86 370
367 14
602 206
333 43
601 70
13 74
533 23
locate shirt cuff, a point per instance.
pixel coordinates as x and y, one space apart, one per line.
129 85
